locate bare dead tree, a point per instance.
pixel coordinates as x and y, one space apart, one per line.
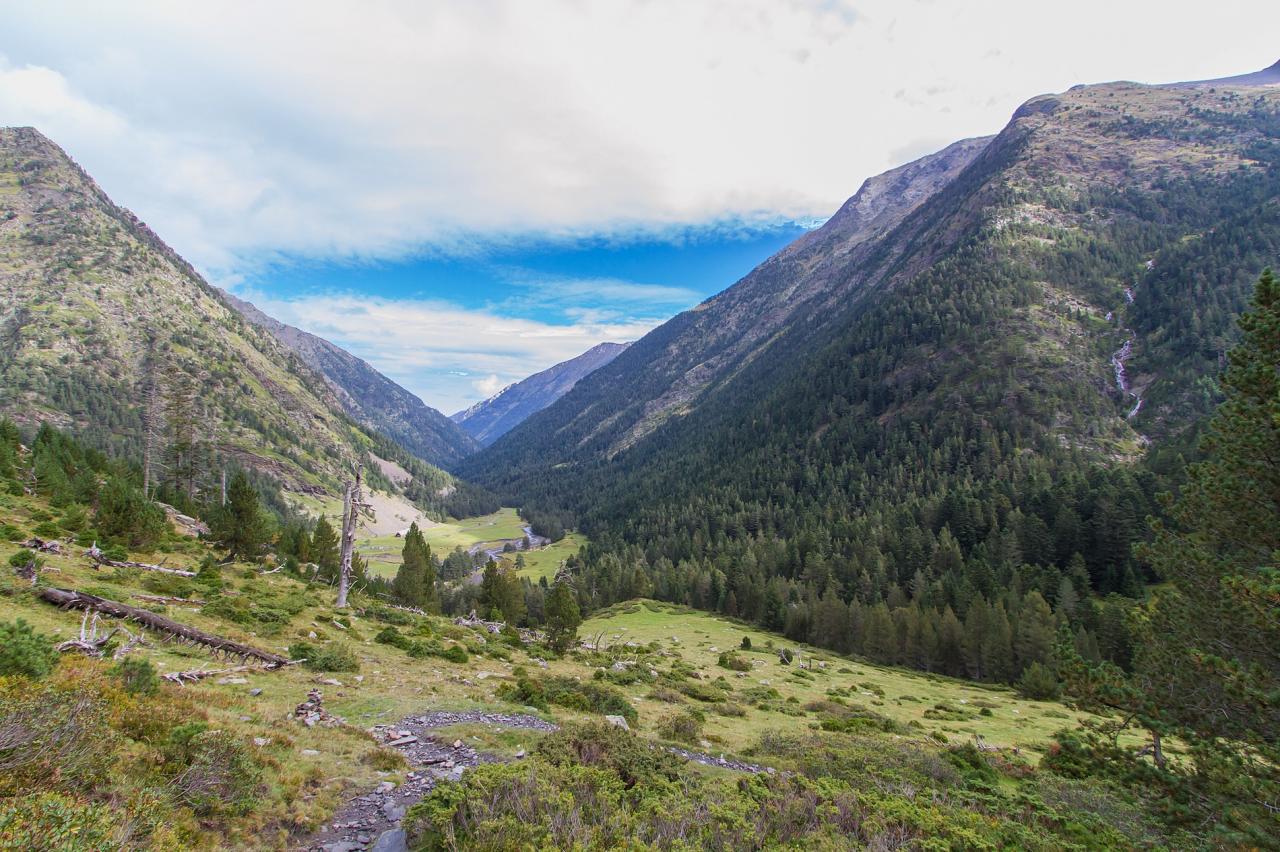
352 506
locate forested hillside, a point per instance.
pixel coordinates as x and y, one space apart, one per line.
951 442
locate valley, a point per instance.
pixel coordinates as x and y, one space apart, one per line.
953 524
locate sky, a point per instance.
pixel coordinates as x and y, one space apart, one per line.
465 193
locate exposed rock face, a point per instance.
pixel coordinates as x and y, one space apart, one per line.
367 395
494 417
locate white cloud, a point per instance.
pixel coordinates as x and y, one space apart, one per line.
327 129
489 385
436 349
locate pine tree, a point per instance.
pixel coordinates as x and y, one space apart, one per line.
1212 648
324 549
123 515
415 581
241 526
563 617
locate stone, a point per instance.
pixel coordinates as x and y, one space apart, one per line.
343 846
457 743
386 786
261 741
392 811
232 680
255 692
618 721
520 754
403 741
394 840
310 752
331 682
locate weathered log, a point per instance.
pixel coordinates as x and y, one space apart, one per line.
200 674
95 554
167 599
68 598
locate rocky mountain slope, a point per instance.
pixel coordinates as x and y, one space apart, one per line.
98 316
958 313
492 418
368 396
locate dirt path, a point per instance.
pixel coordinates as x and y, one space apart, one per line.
371 821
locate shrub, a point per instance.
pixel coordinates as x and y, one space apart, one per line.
683 727
47 529
745 644
56 821
785 656
731 661
52 734
137 676
219 775
566 692
331 657
1039 683
605 746
24 652
394 638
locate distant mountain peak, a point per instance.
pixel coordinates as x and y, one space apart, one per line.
492 418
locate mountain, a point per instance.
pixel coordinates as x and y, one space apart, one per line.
492 418
105 330
974 378
368 396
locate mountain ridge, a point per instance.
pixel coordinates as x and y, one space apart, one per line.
492 418
367 395
99 314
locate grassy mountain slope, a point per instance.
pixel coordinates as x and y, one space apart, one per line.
494 417
95 309
368 396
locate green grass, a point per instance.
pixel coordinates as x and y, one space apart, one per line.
306 788
546 561
699 638
383 552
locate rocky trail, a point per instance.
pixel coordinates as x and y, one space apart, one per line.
372 821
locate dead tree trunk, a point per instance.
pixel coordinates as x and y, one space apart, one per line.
353 504
71 599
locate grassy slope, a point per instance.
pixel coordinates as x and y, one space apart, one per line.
305 788
1015 721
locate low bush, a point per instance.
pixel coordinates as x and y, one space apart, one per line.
23 652
587 696
136 675
685 727
730 660
330 657
47 820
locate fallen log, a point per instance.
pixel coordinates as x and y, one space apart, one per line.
70 599
200 674
167 599
95 554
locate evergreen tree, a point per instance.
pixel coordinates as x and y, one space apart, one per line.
501 594
241 526
123 515
325 550
563 617
415 581
1211 650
